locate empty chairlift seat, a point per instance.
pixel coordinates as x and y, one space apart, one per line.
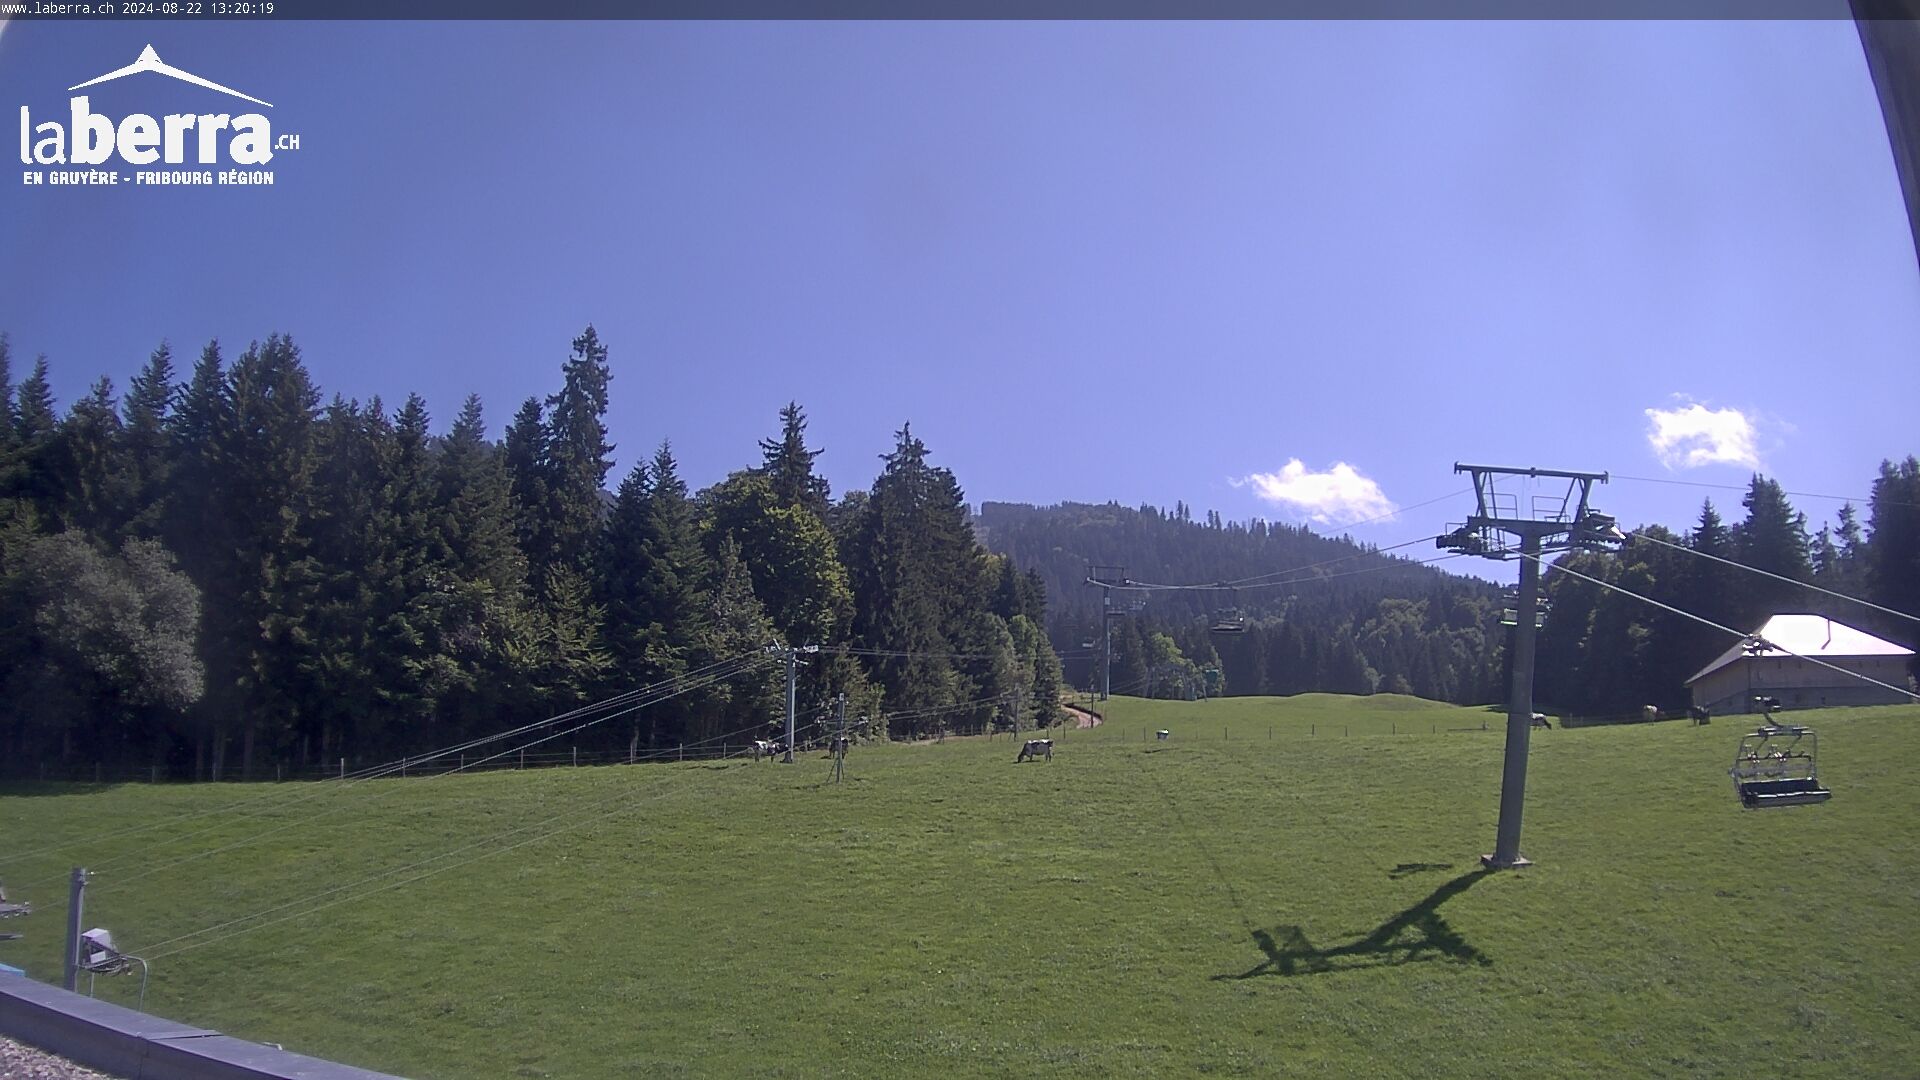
1777 765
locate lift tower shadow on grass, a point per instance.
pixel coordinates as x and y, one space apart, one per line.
1561 521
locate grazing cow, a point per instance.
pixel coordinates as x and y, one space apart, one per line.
839 744
1649 712
766 748
1700 715
1540 720
1163 734
1035 749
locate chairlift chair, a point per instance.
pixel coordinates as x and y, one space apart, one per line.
1228 619
1777 765
99 957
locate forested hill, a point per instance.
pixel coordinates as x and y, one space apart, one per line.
1355 621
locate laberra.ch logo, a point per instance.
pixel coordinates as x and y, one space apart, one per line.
221 142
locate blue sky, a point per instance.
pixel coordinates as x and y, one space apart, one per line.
1136 261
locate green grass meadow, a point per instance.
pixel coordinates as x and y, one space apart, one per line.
1287 886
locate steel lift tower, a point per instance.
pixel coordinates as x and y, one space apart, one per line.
1107 579
1547 523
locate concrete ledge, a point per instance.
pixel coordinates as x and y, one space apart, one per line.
136 1046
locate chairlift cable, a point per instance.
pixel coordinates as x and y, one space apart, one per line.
1776 577
1241 582
1562 569
569 815
285 826
331 784
1738 487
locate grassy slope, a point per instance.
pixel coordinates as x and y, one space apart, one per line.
1254 903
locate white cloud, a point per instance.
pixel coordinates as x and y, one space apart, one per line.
1339 496
1693 435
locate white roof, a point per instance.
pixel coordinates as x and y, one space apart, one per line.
1808 635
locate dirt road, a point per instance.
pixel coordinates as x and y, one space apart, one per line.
1082 718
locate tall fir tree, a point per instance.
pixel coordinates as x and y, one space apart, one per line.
1893 546
144 458
1772 538
578 456
788 463
87 454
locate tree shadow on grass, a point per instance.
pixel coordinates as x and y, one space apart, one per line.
1416 934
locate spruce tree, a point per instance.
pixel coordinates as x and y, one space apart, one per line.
486 629
145 459
525 457
1893 546
88 468
1772 538
578 457
788 463
265 456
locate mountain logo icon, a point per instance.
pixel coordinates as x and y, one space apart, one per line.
150 61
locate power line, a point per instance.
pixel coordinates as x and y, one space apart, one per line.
1776 577
1561 568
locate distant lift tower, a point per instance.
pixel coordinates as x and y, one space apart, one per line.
1107 579
1560 521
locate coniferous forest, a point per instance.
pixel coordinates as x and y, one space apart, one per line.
221 570
1328 615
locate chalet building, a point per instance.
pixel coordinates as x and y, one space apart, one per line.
1737 676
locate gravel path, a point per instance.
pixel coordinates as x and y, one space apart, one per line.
1083 718
18 1061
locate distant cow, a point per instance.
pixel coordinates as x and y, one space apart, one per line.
1700 715
1035 748
766 748
1649 712
839 744
1540 720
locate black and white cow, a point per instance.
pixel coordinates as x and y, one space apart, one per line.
1034 750
766 748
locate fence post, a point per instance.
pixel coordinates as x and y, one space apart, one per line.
683 752
463 764
343 768
153 775
576 757
277 776
523 757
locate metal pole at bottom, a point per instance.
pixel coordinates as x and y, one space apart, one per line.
76 905
1513 778
793 670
